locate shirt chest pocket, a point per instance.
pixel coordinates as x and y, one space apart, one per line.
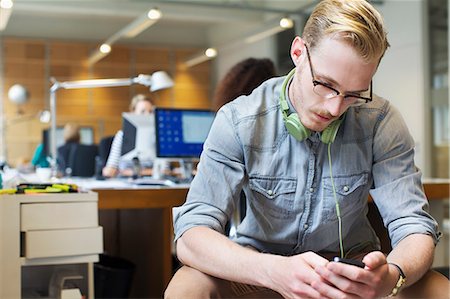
349 192
273 197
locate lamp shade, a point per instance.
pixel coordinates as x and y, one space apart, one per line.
18 94
160 80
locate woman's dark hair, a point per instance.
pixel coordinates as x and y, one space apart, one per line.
242 78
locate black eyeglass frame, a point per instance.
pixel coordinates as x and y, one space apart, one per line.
338 93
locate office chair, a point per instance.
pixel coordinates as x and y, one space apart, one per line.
103 149
77 159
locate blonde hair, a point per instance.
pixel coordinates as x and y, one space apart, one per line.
355 21
71 133
138 98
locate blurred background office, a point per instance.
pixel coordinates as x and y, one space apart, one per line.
41 39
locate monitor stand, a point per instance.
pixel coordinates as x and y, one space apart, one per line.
187 167
160 165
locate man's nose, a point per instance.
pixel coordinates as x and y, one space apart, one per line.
334 105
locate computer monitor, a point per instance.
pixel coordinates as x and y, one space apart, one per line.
180 133
138 137
86 137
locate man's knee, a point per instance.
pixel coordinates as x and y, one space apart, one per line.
190 283
432 285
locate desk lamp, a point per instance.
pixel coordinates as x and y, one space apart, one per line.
157 81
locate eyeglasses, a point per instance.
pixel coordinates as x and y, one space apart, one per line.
325 90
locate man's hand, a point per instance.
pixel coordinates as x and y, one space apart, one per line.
292 276
345 281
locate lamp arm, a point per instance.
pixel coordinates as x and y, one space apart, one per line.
142 79
53 165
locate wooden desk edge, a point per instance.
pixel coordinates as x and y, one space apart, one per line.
140 198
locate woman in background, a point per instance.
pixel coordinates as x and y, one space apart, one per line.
140 104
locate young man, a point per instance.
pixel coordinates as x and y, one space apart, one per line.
307 149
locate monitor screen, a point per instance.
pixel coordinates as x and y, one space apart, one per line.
86 137
138 136
180 133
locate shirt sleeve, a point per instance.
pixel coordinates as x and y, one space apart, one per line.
398 191
115 151
216 188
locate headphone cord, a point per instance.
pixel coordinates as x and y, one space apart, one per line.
338 210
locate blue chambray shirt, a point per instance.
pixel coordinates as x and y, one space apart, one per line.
290 203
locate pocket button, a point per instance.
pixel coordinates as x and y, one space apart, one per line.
346 188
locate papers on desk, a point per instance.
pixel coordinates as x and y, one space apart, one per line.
119 183
151 181
96 184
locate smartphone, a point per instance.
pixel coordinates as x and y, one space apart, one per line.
349 262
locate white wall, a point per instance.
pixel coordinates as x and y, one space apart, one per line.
402 77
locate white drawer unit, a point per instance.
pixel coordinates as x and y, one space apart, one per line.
67 242
47 229
39 216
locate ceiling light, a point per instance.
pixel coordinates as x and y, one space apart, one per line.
201 57
286 23
154 14
6 4
211 52
105 48
134 28
142 23
270 29
5 12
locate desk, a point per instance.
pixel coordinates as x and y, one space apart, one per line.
162 198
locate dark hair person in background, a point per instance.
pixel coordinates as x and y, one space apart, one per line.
242 78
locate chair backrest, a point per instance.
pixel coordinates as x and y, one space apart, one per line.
104 148
82 160
79 158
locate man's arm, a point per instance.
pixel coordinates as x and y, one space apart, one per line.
414 254
213 253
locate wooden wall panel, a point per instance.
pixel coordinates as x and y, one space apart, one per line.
33 62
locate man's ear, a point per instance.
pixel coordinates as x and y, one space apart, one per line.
297 50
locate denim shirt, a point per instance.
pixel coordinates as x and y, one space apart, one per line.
290 204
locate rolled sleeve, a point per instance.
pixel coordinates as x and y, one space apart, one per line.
398 192
215 190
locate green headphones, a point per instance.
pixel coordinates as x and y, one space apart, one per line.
295 126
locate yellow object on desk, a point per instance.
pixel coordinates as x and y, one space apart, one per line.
8 191
46 190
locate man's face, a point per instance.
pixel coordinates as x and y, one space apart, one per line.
335 64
